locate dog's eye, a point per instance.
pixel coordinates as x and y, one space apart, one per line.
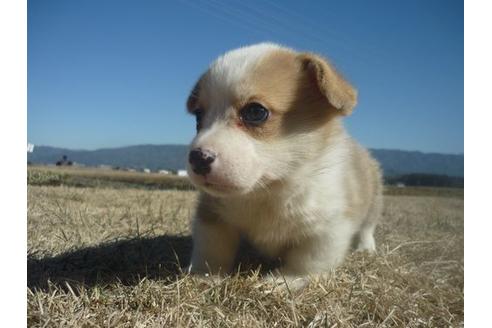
198 115
254 114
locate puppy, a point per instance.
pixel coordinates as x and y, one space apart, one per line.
274 164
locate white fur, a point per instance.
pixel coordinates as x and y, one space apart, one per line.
228 71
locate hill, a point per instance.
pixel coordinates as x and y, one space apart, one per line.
400 162
154 157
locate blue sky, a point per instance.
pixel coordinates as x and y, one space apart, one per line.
107 73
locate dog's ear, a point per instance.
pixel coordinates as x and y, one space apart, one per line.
339 93
192 100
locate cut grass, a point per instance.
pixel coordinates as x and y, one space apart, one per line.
103 178
112 257
425 191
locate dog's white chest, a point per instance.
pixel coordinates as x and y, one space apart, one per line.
275 223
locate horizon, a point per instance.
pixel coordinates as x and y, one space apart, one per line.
124 78
186 145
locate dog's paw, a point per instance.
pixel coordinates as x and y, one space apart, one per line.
278 283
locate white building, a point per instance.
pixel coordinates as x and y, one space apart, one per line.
146 170
164 172
182 173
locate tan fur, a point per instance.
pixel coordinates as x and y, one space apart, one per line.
336 89
298 187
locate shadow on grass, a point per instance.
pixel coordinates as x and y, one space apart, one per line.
127 262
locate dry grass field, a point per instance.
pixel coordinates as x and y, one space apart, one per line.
106 256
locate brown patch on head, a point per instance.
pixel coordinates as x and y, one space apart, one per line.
302 93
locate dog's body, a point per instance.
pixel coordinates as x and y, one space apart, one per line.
275 165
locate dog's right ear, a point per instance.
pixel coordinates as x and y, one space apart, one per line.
332 86
192 101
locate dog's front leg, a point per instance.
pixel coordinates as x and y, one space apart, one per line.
215 244
316 254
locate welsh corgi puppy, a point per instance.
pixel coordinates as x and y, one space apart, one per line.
274 164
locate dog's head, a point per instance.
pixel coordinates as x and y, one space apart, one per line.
261 112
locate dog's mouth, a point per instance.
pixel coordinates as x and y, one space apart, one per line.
220 183
215 186
220 187
221 190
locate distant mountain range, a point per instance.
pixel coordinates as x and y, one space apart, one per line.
154 157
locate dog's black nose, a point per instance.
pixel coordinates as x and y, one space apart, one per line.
201 160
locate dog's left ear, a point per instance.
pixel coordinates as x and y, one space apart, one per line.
339 93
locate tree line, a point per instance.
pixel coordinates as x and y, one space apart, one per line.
428 180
